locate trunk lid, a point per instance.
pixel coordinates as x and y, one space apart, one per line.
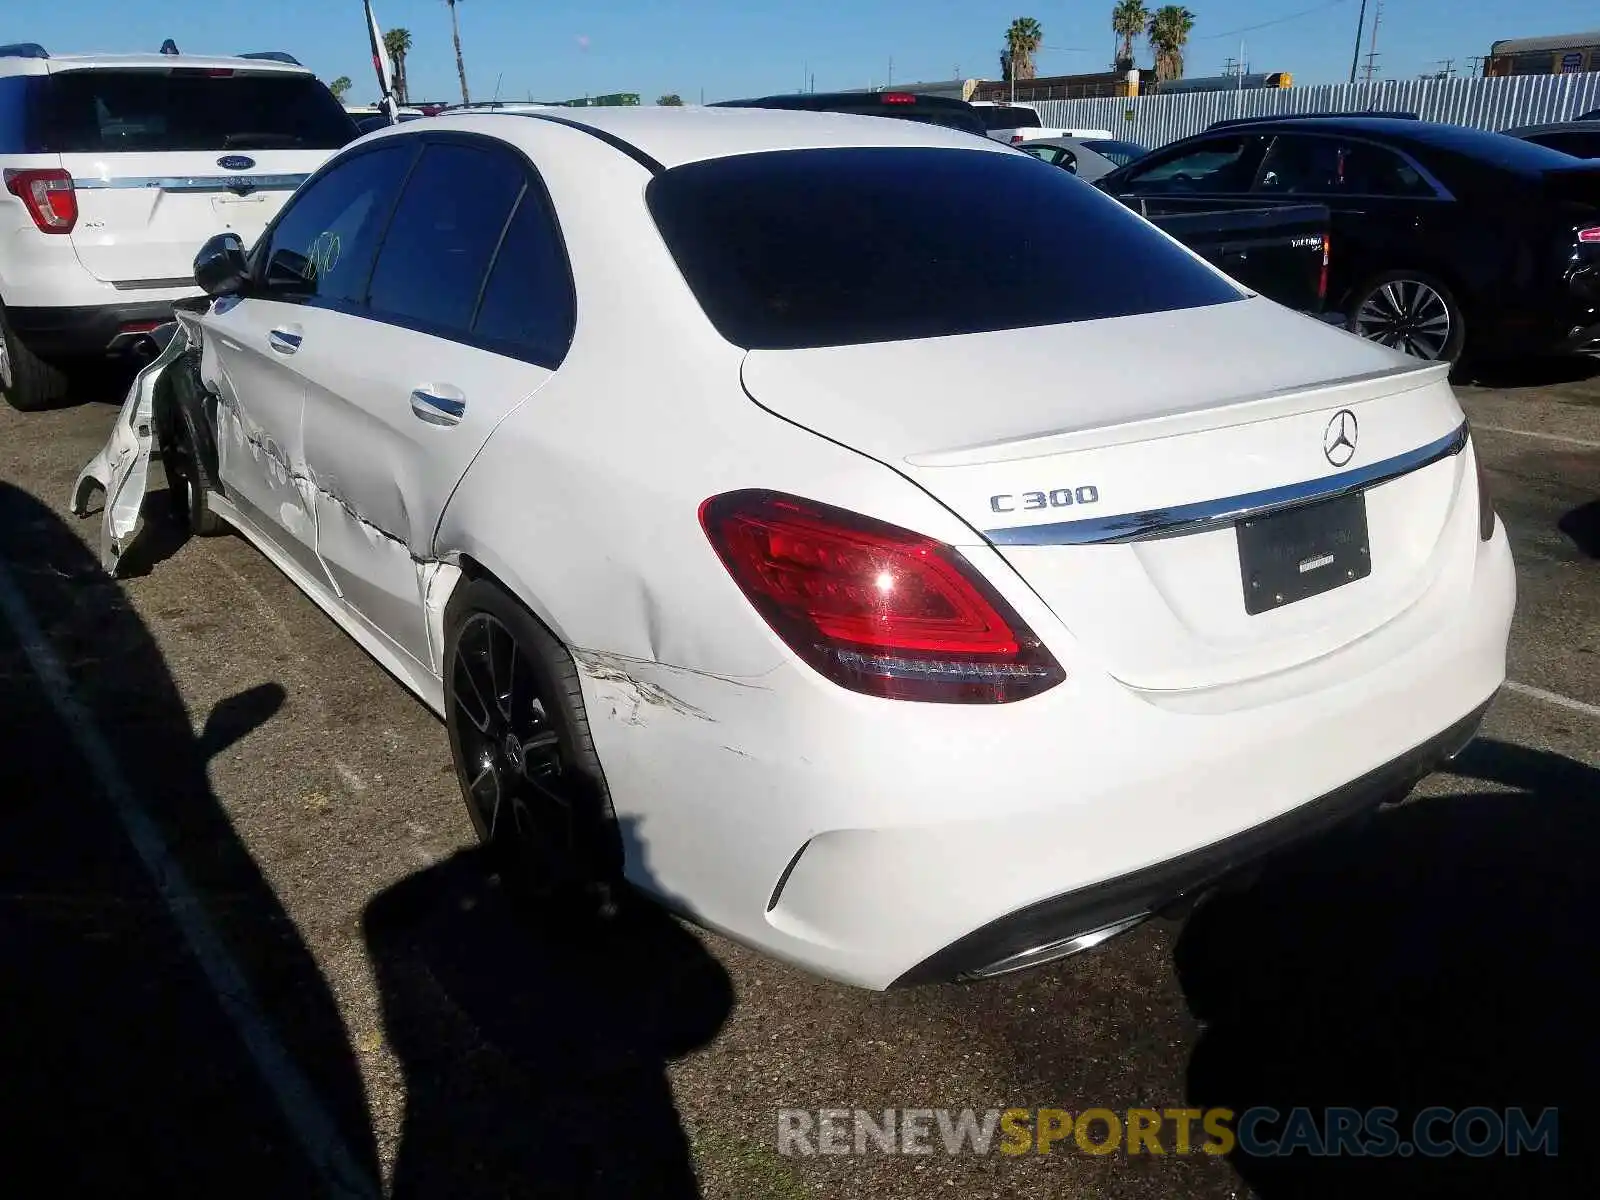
1062 445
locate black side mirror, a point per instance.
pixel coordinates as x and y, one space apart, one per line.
220 268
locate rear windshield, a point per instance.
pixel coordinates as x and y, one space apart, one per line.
808 248
1005 117
109 111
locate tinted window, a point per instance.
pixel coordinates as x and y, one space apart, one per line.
89 111
1301 164
1220 165
444 233
1049 154
1579 145
834 247
1120 152
1369 170
1006 117
323 243
528 302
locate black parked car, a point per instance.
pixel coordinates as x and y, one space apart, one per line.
907 106
1445 240
1581 139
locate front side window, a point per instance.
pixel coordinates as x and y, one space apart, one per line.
1220 165
323 244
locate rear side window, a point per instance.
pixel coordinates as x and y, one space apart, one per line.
82 112
444 232
1006 117
834 247
528 305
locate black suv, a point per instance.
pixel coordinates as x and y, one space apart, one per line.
1445 240
907 106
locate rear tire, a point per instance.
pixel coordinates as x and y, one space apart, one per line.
1411 311
524 759
187 453
28 383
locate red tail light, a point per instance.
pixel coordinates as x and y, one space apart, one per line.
899 98
47 195
1322 278
1590 236
876 608
1015 138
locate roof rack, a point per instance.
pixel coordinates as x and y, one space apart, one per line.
1312 116
282 56
24 50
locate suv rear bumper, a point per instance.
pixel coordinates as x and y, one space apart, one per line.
87 331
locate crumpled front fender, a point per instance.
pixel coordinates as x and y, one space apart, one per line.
121 469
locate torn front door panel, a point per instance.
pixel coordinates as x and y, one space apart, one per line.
122 467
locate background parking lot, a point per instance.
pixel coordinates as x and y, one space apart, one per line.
249 947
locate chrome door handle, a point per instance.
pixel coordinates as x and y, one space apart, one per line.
284 341
438 407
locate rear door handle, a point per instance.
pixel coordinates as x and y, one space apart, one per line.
438 404
285 340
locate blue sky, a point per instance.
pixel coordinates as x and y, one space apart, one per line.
558 49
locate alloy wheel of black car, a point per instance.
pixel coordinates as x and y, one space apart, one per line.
1410 313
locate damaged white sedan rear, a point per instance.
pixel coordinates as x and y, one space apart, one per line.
908 599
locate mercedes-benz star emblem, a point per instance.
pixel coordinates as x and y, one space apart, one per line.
1339 439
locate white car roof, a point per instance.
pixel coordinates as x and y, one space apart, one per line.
674 136
147 62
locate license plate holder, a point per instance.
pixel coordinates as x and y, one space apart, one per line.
1303 552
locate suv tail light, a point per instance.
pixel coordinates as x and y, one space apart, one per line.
1015 138
876 608
47 195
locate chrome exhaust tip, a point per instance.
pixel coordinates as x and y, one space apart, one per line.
1051 952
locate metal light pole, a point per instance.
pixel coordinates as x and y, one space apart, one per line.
1360 24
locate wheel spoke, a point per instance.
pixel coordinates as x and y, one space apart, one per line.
501 657
472 698
486 794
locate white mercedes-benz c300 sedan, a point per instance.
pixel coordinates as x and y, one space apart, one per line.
910 594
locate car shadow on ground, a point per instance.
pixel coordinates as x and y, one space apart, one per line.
1442 954
129 908
535 1056
1582 527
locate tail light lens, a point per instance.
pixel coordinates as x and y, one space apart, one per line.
1590 236
1322 278
1015 138
876 608
47 195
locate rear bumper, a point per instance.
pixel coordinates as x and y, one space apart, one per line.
88 331
1050 930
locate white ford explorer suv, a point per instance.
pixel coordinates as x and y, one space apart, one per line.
116 168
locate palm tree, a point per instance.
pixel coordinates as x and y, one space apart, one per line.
670 100
1128 21
461 67
340 86
1170 26
1022 43
398 43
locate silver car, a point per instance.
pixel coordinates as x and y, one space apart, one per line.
1087 158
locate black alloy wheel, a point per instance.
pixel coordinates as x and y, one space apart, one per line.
1411 312
527 769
